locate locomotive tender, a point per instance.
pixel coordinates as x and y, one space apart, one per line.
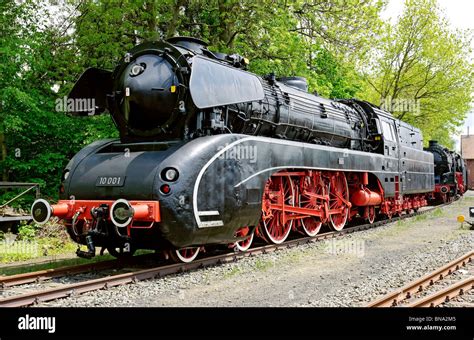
212 154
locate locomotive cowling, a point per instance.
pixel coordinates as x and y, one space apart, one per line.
155 91
178 89
100 175
207 205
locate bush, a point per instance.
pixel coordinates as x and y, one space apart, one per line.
27 232
53 229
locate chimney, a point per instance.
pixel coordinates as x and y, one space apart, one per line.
433 143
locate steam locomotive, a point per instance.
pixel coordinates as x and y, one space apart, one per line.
210 154
450 172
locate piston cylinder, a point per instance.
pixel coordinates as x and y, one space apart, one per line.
363 197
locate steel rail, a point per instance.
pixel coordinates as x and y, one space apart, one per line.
42 275
457 289
46 274
406 292
152 273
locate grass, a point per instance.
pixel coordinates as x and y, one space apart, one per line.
23 250
402 225
419 218
234 271
61 263
438 212
263 265
52 265
33 241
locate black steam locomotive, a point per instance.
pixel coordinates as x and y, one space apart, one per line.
211 154
450 173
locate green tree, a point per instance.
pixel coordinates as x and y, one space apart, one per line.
422 60
315 39
36 140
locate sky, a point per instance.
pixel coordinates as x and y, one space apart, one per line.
460 15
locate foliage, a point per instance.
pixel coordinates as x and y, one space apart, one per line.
306 38
45 46
34 241
422 60
40 247
37 141
27 232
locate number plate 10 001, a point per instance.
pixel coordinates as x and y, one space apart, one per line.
110 181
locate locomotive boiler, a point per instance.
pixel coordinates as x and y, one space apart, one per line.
211 154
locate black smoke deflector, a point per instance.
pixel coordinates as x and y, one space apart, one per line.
214 84
88 97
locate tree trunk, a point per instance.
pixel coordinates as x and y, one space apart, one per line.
173 25
225 24
152 33
3 156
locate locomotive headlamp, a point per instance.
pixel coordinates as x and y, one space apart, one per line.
65 175
41 211
137 69
170 174
121 213
471 212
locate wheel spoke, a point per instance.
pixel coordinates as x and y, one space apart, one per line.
272 220
311 197
338 200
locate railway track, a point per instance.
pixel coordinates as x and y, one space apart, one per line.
47 274
407 295
160 271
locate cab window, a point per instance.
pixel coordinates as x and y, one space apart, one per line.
394 132
387 131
